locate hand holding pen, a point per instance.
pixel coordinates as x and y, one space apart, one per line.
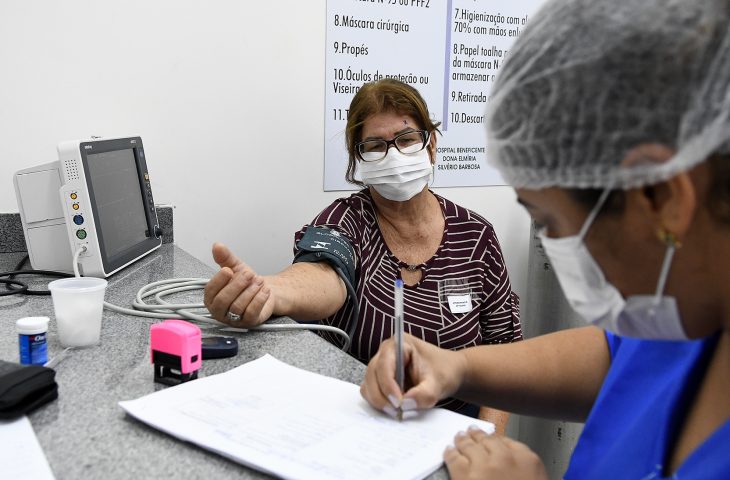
433 373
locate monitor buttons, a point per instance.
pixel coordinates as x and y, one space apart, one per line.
78 219
81 234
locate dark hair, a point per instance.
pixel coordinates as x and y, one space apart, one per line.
588 197
718 197
717 200
386 95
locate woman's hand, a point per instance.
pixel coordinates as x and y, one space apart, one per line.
237 289
431 374
476 455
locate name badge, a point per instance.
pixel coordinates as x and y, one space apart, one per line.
460 303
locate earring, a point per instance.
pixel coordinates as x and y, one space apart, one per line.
668 238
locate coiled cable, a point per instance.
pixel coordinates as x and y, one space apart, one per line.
163 309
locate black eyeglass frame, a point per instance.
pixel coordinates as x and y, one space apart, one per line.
425 136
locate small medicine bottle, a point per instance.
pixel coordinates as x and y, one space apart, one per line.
32 340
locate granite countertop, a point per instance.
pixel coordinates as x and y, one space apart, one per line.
85 434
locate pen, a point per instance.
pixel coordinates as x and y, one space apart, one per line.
399 368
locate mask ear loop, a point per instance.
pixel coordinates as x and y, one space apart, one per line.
672 245
594 213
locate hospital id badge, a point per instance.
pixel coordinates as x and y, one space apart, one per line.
459 303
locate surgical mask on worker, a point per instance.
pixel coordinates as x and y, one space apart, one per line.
398 177
588 292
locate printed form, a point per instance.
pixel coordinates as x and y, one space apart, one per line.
21 456
296 424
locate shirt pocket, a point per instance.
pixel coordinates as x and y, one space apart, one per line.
460 307
458 296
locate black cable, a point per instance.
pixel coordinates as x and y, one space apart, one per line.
22 286
12 291
22 261
356 308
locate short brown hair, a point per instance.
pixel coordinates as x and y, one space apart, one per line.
386 95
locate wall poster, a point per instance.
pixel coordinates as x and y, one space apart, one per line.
450 50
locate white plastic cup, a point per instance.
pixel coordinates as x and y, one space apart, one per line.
78 303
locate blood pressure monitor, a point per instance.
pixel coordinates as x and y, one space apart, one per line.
98 196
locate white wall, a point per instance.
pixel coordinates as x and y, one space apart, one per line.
228 97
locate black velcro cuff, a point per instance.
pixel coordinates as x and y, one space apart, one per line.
322 244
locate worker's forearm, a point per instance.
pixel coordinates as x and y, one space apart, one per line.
556 375
307 291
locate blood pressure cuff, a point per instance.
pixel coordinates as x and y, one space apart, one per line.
322 244
23 388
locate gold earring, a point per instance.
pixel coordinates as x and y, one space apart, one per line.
668 238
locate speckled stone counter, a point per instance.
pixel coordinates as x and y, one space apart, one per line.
85 434
12 239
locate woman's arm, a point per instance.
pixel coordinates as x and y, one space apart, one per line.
306 291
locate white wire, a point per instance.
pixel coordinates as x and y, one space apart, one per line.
165 310
57 359
78 253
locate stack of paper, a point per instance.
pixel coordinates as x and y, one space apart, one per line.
21 455
299 425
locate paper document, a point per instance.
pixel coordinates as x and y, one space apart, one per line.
21 455
297 424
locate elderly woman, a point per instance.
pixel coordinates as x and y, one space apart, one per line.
457 290
612 122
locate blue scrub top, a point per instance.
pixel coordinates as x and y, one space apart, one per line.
639 409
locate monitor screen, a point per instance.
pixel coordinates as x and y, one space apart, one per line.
118 200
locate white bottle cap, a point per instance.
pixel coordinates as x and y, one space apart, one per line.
32 325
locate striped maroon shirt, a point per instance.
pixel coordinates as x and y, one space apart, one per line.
467 265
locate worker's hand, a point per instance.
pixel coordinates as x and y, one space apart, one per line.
236 288
476 455
431 374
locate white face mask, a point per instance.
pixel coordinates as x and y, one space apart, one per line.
398 177
600 303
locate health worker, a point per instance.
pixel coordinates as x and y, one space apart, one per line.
611 119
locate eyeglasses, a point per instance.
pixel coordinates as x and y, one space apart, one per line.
406 143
